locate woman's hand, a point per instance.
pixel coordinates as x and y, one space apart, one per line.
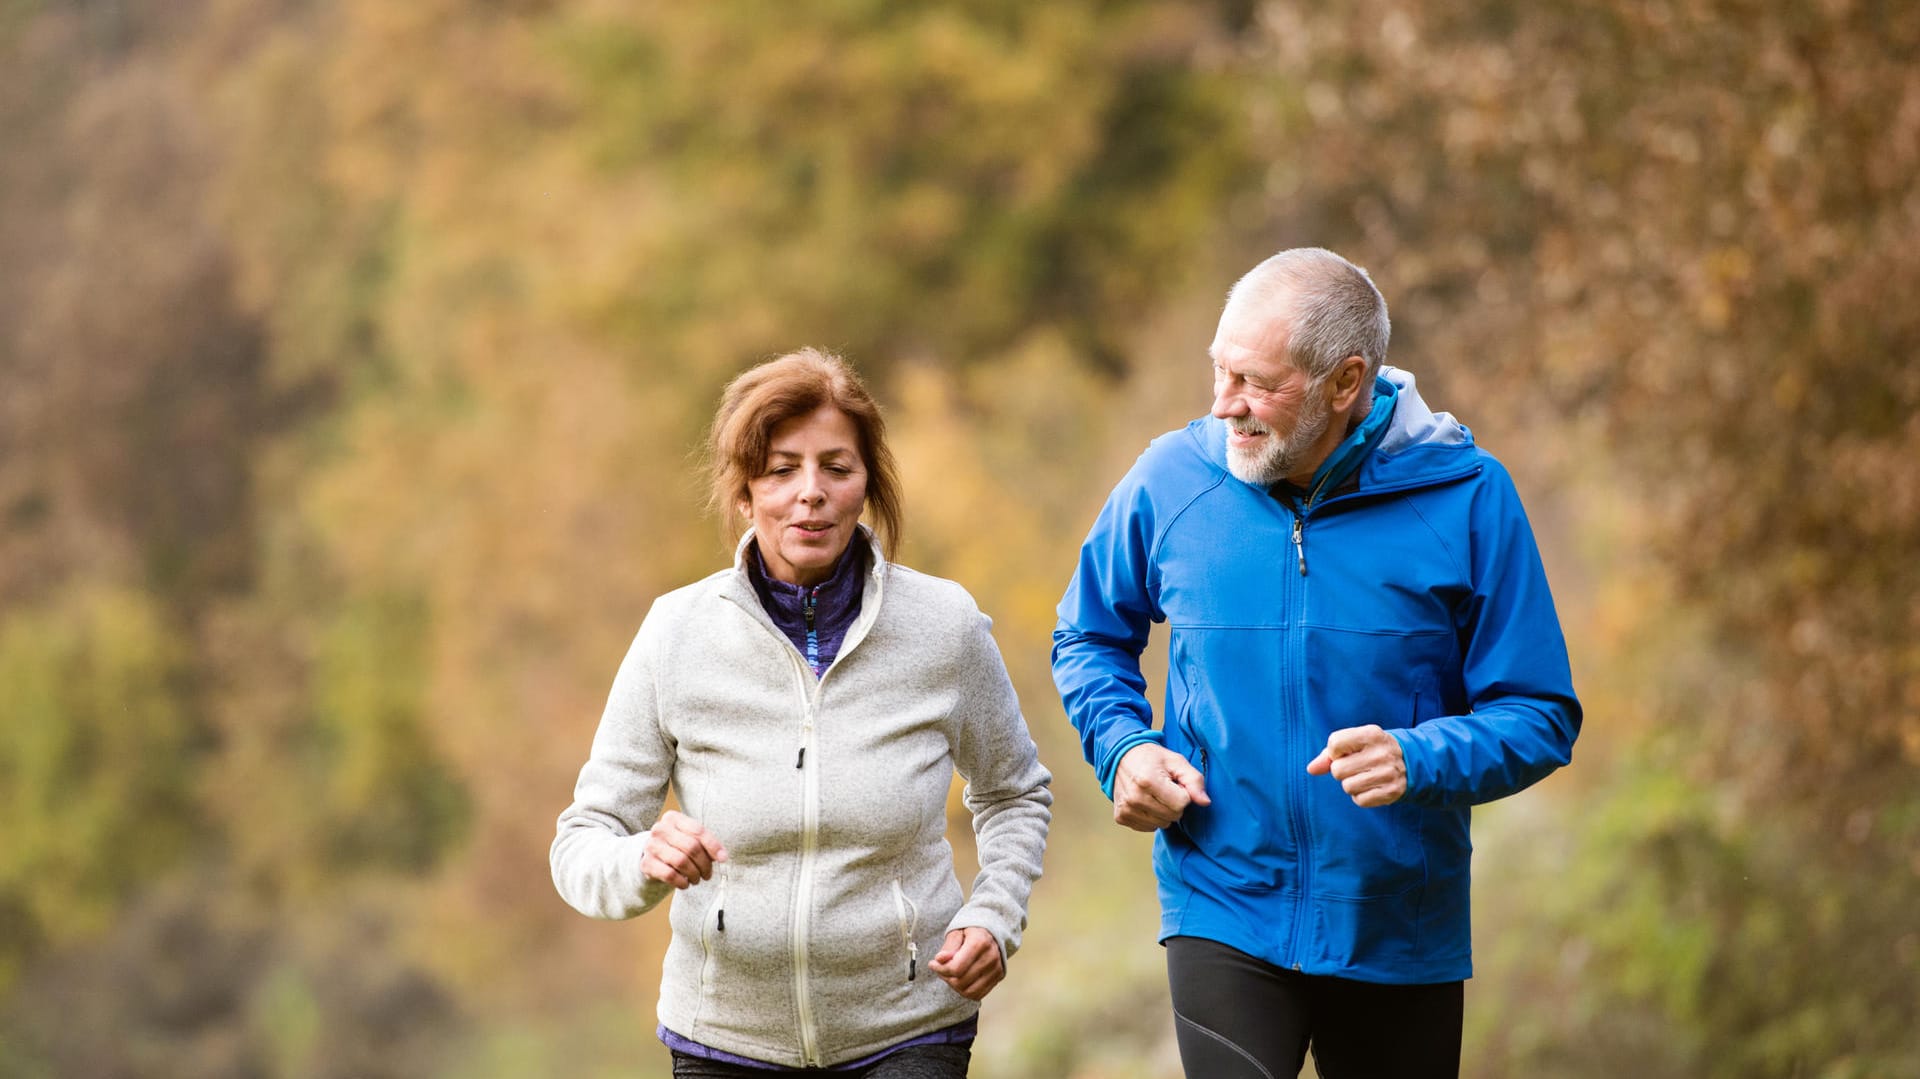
680 851
969 960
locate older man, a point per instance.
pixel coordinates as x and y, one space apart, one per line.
1362 645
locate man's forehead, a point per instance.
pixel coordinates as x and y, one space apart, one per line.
1250 335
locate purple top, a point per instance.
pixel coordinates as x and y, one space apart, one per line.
961 1033
814 617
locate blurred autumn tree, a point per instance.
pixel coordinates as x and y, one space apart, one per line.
351 354
470 276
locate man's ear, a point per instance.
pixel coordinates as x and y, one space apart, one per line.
1349 380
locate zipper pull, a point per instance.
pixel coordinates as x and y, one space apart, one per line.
913 958
1299 546
801 760
720 920
806 607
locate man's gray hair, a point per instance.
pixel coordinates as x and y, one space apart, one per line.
1335 311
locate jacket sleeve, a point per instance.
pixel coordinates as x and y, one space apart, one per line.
602 836
1007 793
1105 618
1522 715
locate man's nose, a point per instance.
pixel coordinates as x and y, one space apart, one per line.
1226 402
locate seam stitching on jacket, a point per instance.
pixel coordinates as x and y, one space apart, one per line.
1217 478
1459 566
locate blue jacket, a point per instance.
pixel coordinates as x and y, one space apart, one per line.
1412 596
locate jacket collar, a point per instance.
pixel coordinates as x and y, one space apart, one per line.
1419 446
737 587
876 561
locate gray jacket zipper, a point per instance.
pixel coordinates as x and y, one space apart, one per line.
909 916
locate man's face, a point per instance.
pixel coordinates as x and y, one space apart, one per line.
1274 413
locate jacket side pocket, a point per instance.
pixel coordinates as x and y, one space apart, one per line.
909 919
711 930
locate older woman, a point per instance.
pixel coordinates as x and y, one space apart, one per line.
809 707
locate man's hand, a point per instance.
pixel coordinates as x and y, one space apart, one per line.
1368 763
680 850
1153 786
969 960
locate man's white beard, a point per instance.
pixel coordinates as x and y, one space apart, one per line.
1278 456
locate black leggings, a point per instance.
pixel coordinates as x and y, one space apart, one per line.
913 1062
1239 1018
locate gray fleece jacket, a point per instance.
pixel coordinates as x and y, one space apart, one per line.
809 945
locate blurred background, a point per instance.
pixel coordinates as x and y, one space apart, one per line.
354 356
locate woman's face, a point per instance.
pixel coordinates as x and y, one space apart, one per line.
808 499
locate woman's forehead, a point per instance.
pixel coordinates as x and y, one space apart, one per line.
825 429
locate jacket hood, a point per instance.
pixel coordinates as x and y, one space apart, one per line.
1419 446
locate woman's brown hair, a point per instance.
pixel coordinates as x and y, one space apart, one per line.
768 395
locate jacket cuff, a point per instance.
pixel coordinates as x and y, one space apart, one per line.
972 917
650 891
1419 769
1110 764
